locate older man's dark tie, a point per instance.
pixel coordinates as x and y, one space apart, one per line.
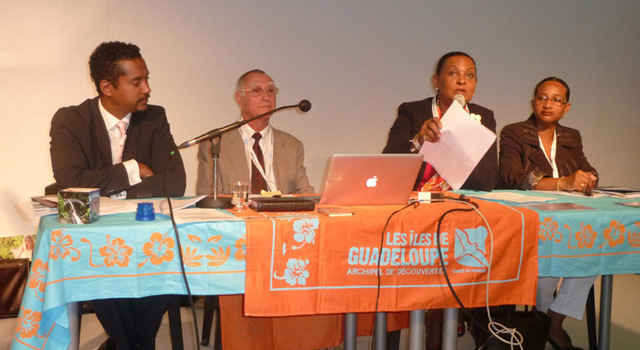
258 182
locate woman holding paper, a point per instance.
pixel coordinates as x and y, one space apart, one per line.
454 79
541 154
419 121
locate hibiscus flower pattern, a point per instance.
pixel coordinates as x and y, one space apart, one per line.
549 230
29 323
614 234
38 272
116 252
158 249
305 231
70 258
586 236
61 246
296 272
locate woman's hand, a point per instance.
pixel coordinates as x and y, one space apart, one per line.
430 130
579 181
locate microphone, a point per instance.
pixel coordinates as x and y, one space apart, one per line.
303 105
460 99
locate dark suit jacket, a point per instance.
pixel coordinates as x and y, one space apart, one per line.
288 164
411 116
521 155
81 153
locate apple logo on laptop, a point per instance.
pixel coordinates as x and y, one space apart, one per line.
372 182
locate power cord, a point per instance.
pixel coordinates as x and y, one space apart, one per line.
412 203
494 328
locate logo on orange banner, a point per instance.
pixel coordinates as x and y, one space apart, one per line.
417 253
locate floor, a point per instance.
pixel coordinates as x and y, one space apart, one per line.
625 330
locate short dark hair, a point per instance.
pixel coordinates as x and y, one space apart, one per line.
448 55
557 80
244 76
104 61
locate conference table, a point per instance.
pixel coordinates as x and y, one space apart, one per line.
582 236
289 267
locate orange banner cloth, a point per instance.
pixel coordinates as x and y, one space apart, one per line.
291 332
320 265
309 264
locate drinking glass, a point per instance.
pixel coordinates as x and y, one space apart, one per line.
239 194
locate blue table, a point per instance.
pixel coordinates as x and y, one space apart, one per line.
117 250
84 262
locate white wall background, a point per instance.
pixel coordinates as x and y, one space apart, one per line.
356 61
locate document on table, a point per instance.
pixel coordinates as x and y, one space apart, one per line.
572 193
160 205
203 215
619 192
35 208
559 206
463 142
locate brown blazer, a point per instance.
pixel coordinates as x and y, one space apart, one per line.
521 155
81 152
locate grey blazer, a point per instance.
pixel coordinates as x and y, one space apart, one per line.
288 164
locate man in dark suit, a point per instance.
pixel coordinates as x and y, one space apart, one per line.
120 144
282 166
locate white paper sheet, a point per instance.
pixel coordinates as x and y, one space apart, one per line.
31 210
463 142
160 205
202 215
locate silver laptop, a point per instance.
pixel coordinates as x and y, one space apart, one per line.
370 179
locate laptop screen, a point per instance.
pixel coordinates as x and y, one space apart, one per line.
370 179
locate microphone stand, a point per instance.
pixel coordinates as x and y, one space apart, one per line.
213 201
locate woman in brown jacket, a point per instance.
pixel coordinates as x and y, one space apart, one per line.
541 154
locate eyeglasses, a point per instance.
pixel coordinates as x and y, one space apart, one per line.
256 90
555 101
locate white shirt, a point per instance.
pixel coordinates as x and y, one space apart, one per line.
131 165
551 160
266 143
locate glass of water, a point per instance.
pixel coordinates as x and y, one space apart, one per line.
239 194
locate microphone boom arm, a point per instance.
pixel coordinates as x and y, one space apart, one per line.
219 131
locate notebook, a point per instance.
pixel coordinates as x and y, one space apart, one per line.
370 179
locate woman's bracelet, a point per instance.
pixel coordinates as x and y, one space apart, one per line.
558 183
415 145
